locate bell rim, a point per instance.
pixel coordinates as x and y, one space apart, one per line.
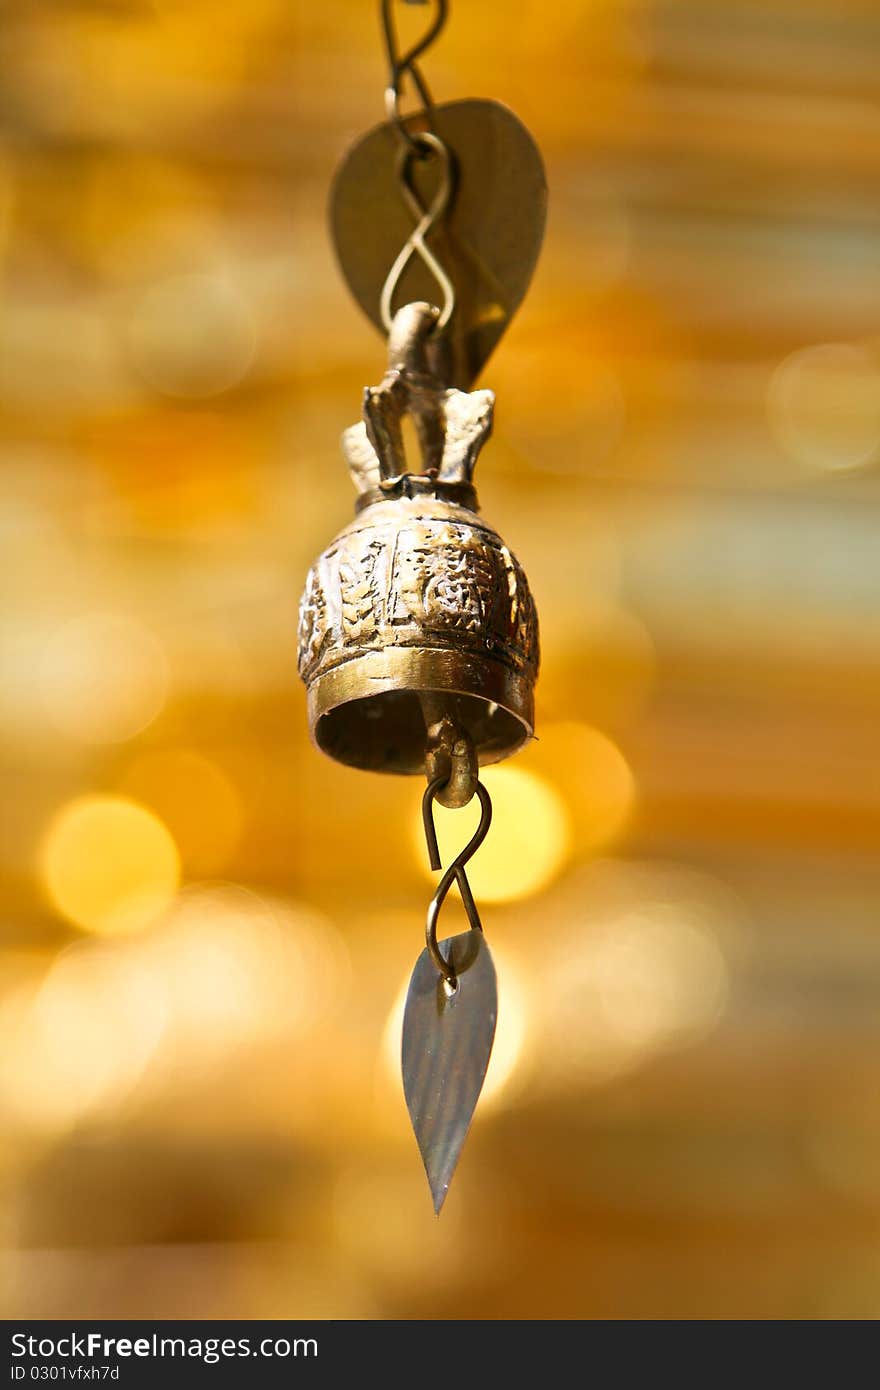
437 670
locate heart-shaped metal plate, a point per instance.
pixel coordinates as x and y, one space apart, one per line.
489 239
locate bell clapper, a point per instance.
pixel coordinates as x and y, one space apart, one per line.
449 753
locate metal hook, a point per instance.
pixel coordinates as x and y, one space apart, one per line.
455 871
426 219
399 64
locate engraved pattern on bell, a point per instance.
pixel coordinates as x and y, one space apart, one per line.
417 593
418 573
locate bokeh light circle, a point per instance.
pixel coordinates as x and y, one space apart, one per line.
823 404
527 844
109 865
593 776
79 1040
192 336
195 799
103 678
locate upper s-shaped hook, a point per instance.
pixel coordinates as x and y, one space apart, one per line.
399 63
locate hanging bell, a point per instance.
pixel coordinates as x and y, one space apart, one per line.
417 611
418 638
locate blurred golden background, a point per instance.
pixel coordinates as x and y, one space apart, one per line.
208 925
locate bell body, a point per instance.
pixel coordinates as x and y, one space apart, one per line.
417 600
417 612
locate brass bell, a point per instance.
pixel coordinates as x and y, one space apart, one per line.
417 611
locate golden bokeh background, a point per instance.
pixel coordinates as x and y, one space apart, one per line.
207 925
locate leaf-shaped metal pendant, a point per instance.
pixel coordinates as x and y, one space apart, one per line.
447 1042
487 243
